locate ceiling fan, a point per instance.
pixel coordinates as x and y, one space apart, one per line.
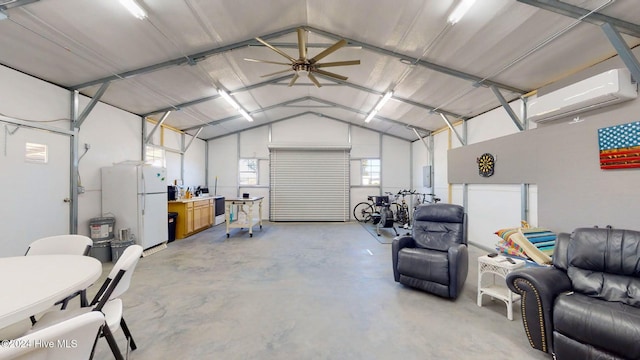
305 64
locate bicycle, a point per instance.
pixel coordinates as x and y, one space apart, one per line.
363 211
402 208
419 201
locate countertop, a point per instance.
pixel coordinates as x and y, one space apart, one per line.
196 198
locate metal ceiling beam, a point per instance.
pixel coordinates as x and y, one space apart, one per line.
92 103
577 12
397 98
623 51
189 59
305 98
193 138
439 68
319 114
158 125
508 108
453 129
213 97
194 58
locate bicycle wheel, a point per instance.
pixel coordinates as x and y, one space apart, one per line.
403 216
362 211
395 208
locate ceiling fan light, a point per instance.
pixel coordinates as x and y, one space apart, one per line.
460 11
134 8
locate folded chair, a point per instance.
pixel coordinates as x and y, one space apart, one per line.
107 301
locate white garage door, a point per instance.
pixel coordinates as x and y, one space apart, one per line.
308 184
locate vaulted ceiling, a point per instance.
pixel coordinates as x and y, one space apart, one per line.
177 58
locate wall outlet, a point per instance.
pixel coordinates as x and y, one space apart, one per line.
80 189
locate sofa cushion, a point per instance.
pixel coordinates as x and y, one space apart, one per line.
424 264
605 264
610 326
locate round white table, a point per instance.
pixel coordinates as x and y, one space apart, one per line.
32 284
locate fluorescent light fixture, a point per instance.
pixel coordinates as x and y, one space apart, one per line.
384 100
229 99
460 10
371 115
135 9
379 106
225 95
245 114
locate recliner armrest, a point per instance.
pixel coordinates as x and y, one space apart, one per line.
458 256
398 244
538 287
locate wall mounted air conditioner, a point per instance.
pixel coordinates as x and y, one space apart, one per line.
605 89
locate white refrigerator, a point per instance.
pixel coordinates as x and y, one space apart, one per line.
136 195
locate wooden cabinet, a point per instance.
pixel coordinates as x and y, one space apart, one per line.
193 215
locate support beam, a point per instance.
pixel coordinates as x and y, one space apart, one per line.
155 128
73 163
92 103
577 12
623 50
193 138
453 129
304 98
508 108
435 67
252 42
213 97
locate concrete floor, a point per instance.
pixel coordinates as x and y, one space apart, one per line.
303 291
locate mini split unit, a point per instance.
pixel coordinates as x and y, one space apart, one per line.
608 88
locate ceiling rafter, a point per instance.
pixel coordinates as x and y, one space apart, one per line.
318 114
577 12
194 58
301 99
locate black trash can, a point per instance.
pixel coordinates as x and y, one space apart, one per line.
173 216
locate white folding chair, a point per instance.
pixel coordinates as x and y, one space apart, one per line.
107 301
61 245
72 339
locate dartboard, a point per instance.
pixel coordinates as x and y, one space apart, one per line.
486 164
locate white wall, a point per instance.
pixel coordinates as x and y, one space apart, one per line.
33 201
489 207
309 130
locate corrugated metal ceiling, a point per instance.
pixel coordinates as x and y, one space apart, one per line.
154 65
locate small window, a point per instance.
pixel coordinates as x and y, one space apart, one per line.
155 156
370 171
36 153
248 171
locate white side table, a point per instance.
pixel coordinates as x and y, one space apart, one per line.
497 268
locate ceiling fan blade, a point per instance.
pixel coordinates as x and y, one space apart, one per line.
302 43
330 74
314 80
293 80
267 61
337 63
328 51
277 72
276 50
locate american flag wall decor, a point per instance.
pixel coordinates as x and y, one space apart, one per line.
620 146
